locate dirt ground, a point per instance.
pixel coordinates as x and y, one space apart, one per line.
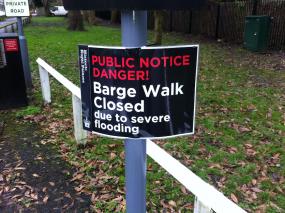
33 177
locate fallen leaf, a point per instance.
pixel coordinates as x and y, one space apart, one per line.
39 158
253 196
79 188
183 189
255 189
93 198
233 150
244 129
234 198
44 189
19 168
118 199
21 182
51 183
164 204
188 206
172 203
66 194
112 155
34 196
251 107
36 175
105 196
45 199
16 196
248 145
122 155
6 188
77 177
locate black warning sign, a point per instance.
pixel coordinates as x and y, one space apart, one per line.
139 92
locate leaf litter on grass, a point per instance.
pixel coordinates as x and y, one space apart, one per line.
239 140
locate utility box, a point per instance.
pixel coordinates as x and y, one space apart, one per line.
256 33
12 79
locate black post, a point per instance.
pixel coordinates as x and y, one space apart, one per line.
134 34
24 53
254 9
170 22
190 22
218 20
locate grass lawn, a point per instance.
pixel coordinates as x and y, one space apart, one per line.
239 142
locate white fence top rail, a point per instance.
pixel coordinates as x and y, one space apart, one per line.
206 193
64 81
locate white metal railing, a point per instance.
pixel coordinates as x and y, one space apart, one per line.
207 198
13 24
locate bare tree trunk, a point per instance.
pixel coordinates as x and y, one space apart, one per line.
89 17
46 7
158 26
41 11
92 17
75 20
114 16
85 15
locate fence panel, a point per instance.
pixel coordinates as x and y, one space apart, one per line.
181 21
232 20
204 21
226 20
275 9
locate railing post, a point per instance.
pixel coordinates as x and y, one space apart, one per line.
44 77
199 207
79 133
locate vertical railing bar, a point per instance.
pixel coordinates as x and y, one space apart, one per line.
199 207
45 85
79 133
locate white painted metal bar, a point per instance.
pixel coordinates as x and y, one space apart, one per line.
79 133
199 207
75 90
45 85
206 193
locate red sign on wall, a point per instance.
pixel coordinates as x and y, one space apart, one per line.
11 45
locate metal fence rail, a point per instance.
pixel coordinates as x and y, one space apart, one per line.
13 25
207 198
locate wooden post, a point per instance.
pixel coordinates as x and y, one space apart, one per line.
79 133
199 207
44 77
254 7
218 20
